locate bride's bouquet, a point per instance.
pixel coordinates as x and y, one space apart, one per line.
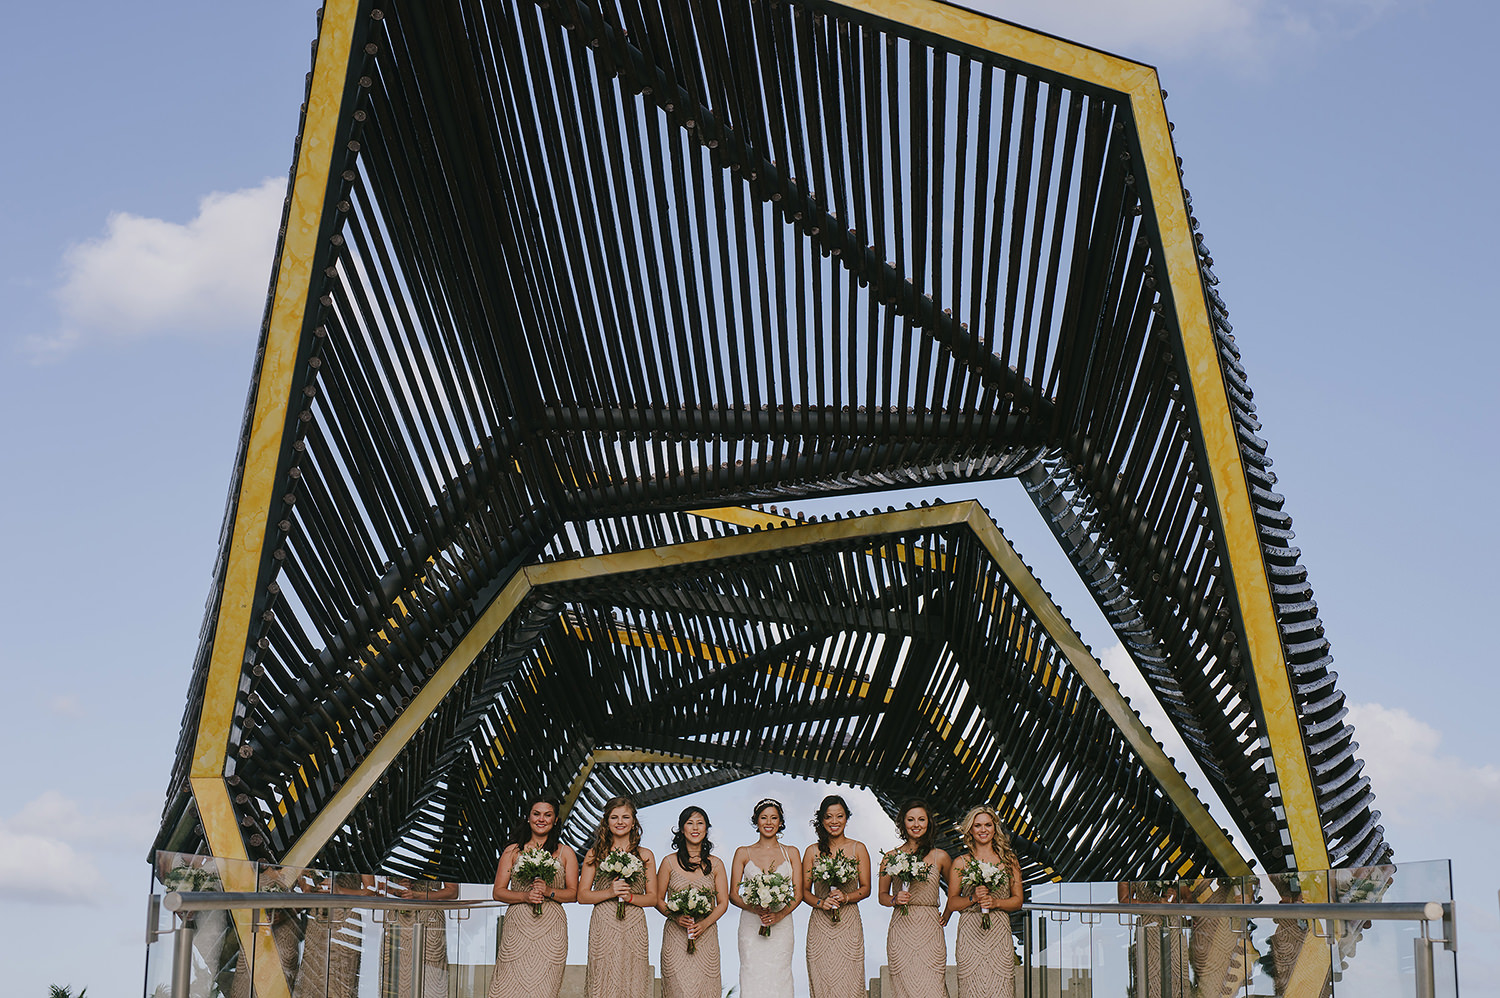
626 866
770 890
904 868
695 902
835 871
532 865
991 876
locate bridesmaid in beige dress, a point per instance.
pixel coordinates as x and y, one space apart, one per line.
914 943
835 949
986 958
696 974
534 948
619 953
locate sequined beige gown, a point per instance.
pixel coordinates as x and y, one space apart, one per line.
684 974
1166 955
986 958
836 950
619 952
914 944
400 955
533 951
1219 949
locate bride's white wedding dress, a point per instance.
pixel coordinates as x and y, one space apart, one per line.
765 961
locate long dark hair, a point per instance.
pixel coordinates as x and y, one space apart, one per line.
680 842
924 844
604 838
817 822
522 834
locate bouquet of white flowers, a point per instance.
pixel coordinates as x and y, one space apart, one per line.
695 902
626 866
770 890
991 876
532 865
835 871
191 878
903 868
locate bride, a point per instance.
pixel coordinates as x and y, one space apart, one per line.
766 960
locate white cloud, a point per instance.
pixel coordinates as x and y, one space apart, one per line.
147 277
38 863
1245 31
1416 784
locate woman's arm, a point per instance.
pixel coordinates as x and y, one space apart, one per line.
648 897
721 891
772 917
502 890
735 876
568 892
956 901
809 857
862 856
1017 891
884 897
587 874
664 877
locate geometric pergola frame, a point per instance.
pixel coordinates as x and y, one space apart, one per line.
956 678
553 277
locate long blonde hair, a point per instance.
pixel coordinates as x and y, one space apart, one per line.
1002 837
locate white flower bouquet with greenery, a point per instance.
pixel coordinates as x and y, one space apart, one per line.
769 891
626 866
694 902
835 870
903 868
992 877
532 865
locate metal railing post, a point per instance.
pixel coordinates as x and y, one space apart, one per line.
182 957
1422 964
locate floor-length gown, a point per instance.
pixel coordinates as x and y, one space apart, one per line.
986 958
914 944
836 950
619 952
533 951
765 961
684 974
404 958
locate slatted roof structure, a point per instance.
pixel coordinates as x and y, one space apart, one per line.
553 276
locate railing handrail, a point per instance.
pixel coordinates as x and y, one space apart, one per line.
1374 911
184 901
1431 911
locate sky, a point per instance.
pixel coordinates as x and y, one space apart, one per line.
1340 155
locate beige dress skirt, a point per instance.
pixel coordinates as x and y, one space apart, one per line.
836 950
684 974
533 951
914 944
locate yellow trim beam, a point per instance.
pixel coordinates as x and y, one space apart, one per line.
969 514
1139 83
274 386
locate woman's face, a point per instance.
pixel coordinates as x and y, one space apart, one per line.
621 821
915 823
695 829
834 820
769 822
983 829
541 819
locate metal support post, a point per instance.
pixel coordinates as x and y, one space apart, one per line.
1422 964
182 957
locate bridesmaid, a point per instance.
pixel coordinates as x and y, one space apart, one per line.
619 953
534 949
835 950
986 958
696 974
914 945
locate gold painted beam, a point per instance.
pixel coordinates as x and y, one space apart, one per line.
969 514
257 486
1140 85
1092 673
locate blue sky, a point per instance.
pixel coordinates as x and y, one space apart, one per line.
1340 155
